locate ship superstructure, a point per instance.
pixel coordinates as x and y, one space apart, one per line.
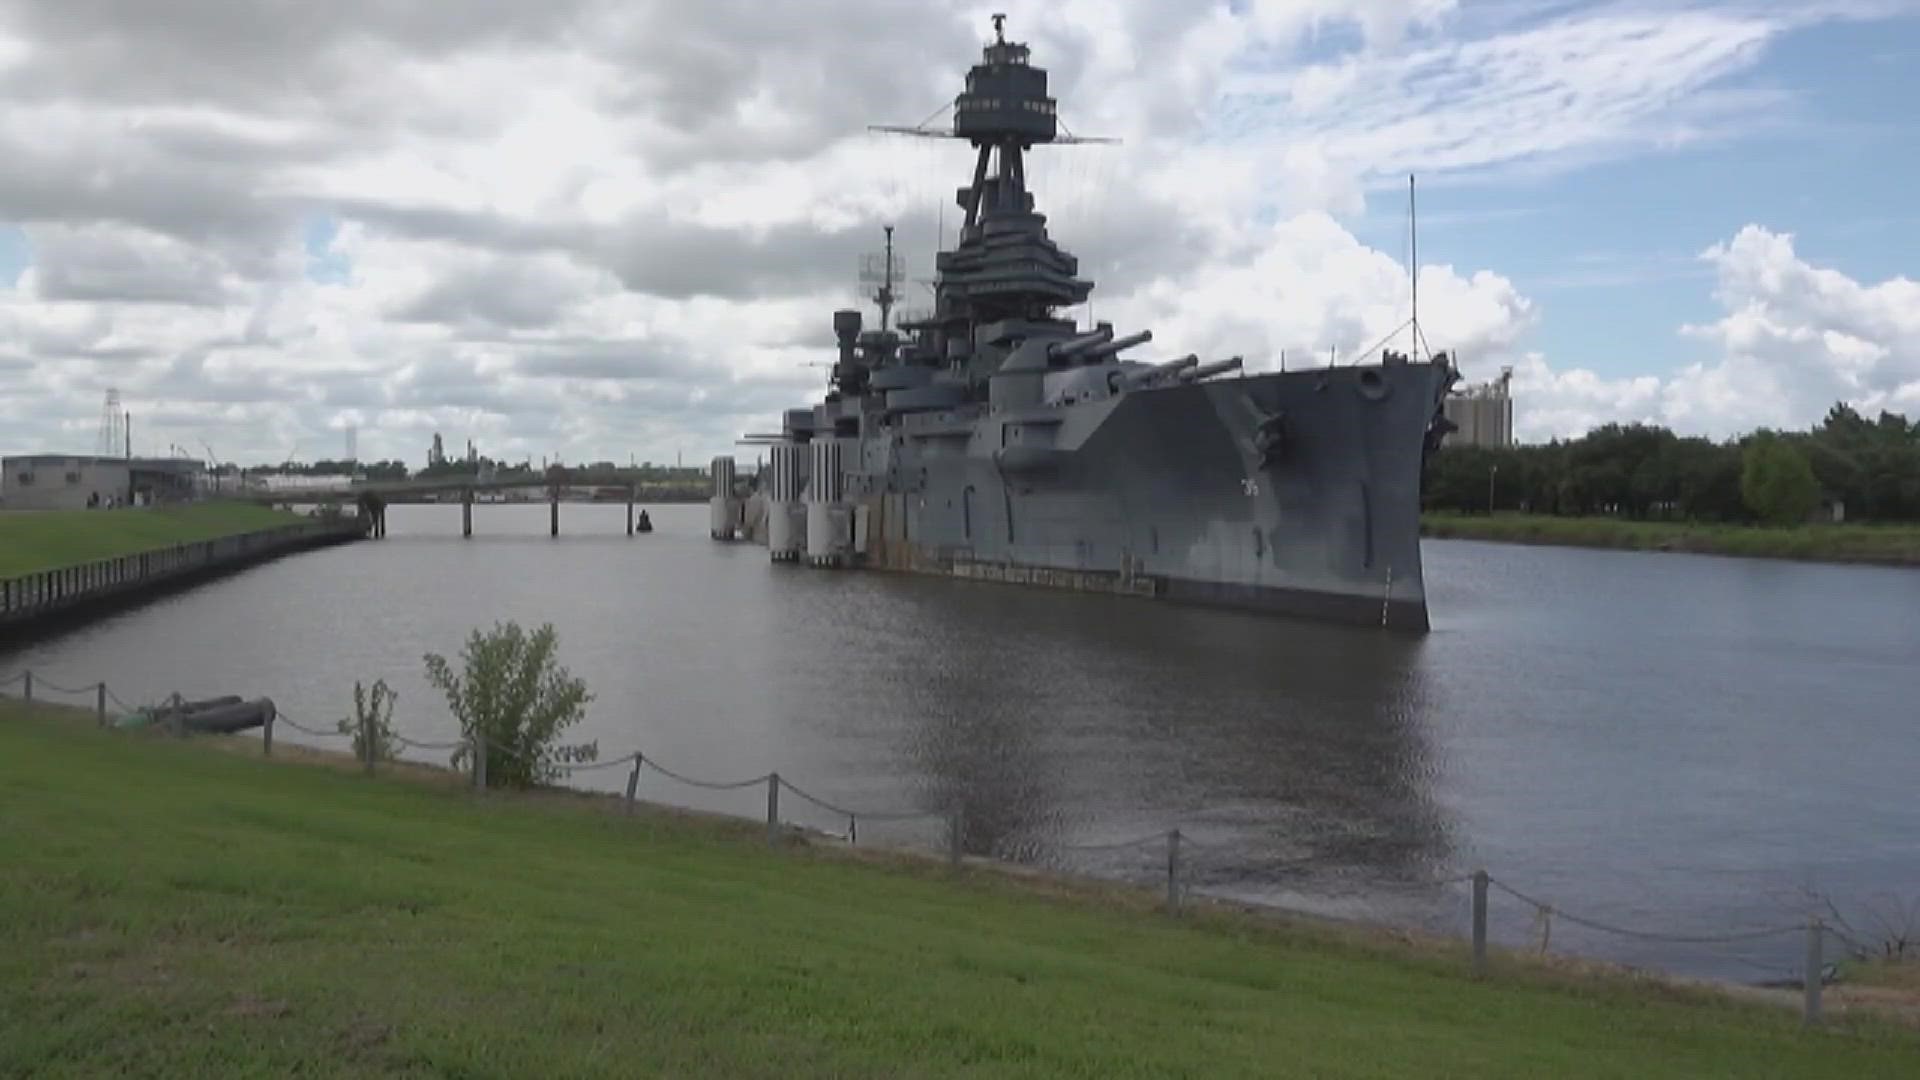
992 438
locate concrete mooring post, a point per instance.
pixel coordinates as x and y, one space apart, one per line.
630 509
466 513
773 809
553 525
1479 923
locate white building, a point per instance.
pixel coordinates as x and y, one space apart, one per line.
76 482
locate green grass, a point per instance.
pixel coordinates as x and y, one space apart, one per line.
1891 544
166 909
32 540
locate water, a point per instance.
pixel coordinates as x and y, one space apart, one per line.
1673 743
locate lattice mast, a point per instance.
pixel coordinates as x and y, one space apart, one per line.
115 439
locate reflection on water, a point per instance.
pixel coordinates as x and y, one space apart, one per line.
1676 742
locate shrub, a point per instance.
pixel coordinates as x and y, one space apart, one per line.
515 693
372 714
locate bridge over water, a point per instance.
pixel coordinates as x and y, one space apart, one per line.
372 496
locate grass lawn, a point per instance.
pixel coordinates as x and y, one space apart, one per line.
167 909
1890 544
32 540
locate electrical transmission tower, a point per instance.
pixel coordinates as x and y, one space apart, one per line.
113 430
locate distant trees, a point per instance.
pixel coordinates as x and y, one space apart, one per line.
1642 471
1776 482
372 470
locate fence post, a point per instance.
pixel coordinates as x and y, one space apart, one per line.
1173 871
956 832
100 704
1810 1015
1479 923
266 732
773 809
27 685
633 782
479 759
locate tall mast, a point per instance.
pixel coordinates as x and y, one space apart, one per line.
879 271
886 286
1413 269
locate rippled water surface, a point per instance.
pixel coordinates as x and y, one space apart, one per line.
1676 743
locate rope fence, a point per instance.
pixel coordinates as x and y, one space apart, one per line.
1172 841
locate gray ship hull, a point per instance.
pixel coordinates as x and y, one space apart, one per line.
992 438
1165 493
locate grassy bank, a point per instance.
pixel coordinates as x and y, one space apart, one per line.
32 540
171 910
1897 545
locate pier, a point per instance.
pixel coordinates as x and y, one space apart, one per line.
373 497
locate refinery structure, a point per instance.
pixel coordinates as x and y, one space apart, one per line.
1482 414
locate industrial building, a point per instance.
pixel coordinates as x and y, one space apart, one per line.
77 481
1482 415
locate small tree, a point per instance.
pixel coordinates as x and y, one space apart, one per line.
515 693
372 714
1776 481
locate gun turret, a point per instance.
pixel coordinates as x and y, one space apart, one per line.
1208 371
1061 350
1117 345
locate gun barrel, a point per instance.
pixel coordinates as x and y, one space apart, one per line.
1073 345
1143 376
1117 345
1207 371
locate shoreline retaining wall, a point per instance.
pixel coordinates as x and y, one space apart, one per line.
29 600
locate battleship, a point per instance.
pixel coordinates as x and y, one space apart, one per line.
992 438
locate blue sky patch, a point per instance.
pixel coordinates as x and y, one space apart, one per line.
325 266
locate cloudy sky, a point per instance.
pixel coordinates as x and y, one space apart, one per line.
614 228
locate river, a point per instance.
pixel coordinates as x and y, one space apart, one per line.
1672 743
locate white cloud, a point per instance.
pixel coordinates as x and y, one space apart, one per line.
600 226
1795 338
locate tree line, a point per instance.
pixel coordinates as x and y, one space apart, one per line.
1640 471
